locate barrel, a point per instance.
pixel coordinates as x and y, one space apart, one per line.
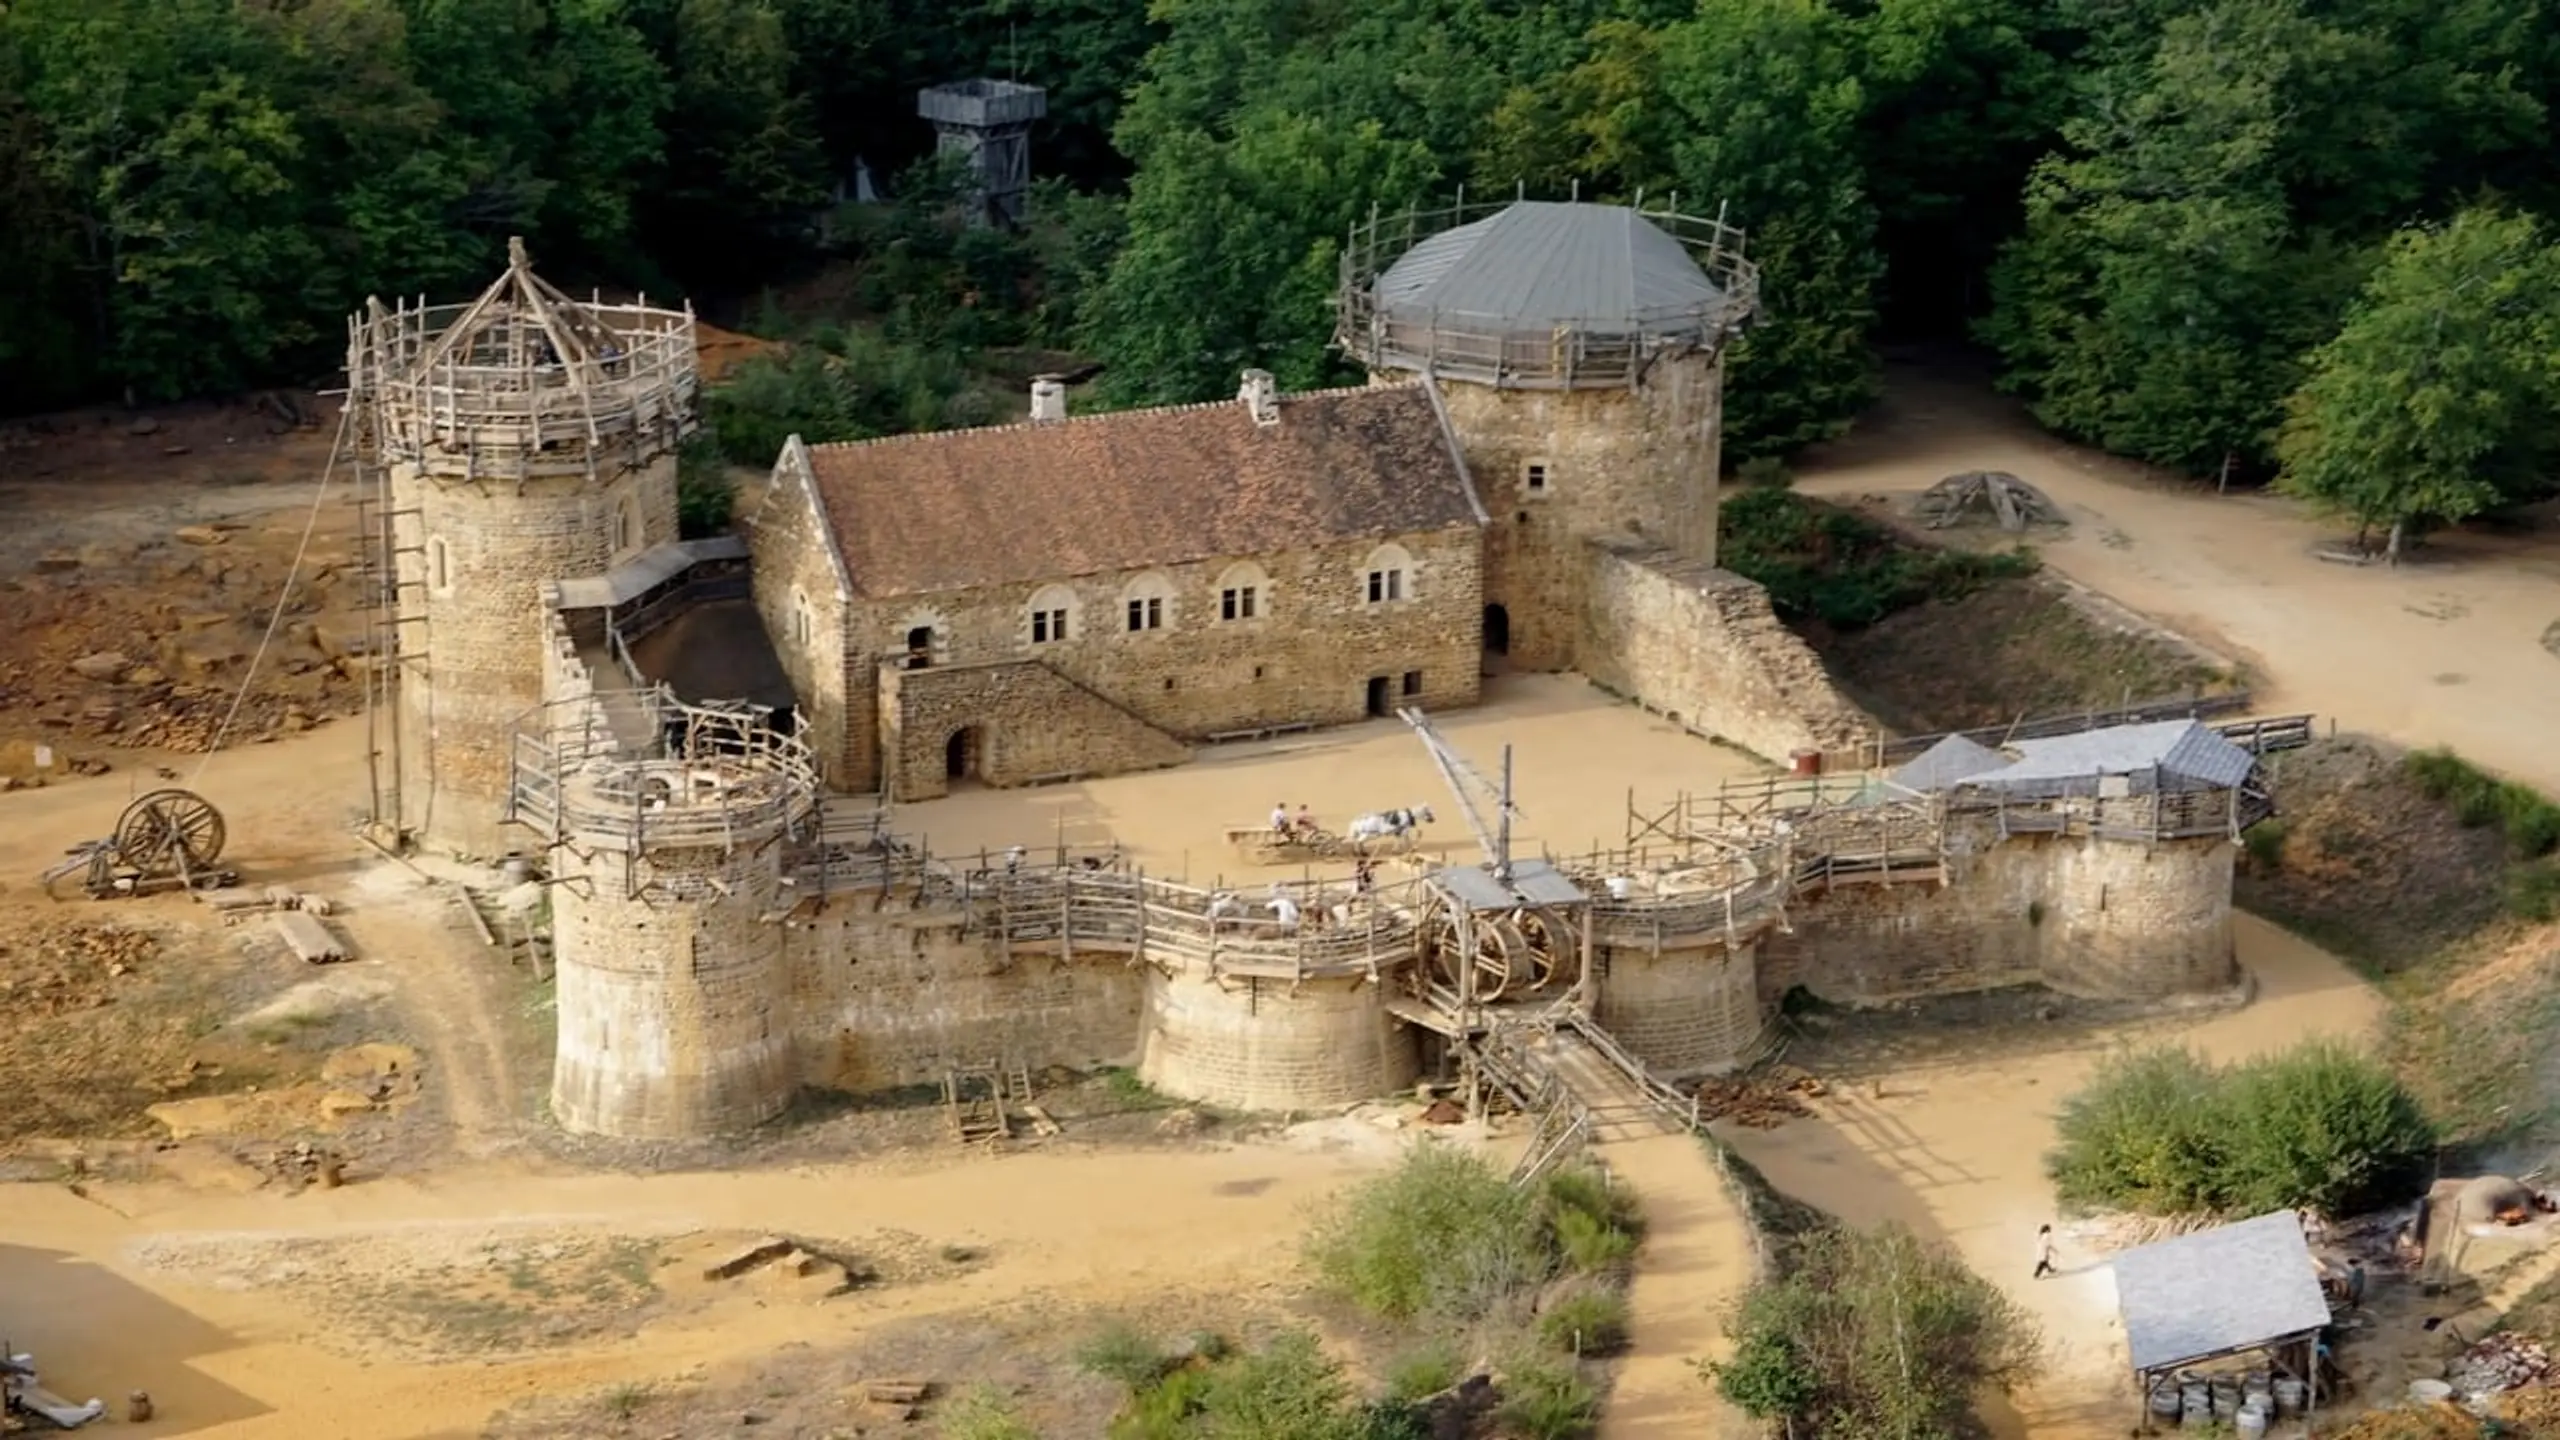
2250 1421
2226 1398
2164 1399
2289 1396
2429 1392
2197 1403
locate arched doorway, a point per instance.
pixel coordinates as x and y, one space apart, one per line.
963 754
1497 630
920 647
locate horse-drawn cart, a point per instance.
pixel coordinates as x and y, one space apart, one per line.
1263 845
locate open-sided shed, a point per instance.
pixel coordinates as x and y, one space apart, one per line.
2219 1293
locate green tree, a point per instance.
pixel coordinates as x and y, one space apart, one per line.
2440 396
744 168
1765 103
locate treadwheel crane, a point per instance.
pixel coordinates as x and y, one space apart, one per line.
1467 784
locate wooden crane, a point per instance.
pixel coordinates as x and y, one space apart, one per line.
1465 783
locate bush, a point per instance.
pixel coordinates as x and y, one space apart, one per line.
1164 1410
2264 843
2533 893
704 496
1873 1336
1843 569
1588 1321
2530 822
2319 1125
768 399
1428 1370
1119 1352
1289 1390
1543 1401
1442 1234
1595 1224
982 1414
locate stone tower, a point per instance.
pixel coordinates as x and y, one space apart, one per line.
669 840
1579 351
519 439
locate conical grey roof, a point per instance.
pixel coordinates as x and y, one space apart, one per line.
1542 265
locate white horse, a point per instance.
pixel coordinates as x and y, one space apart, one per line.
1389 825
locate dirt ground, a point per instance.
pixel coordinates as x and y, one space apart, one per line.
2454 649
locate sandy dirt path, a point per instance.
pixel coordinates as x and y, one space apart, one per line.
1696 1259
2460 649
1956 1152
227 1361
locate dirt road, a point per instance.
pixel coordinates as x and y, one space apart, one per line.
1695 1260
2461 648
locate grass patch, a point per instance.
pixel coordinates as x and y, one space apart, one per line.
1546 1401
1122 1353
1585 1321
1125 1089
622 1402
2530 823
1843 569
981 1413
1427 1369
2164 1132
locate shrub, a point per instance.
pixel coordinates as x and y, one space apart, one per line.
1441 1234
1841 568
1119 1352
2530 822
1545 1401
1289 1390
1164 1410
2318 1125
2324 1126
2143 1133
704 496
1426 1370
770 398
983 1414
2533 893
2264 843
1872 1335
1595 1224
1587 1321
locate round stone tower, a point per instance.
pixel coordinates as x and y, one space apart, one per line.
1578 350
668 860
520 439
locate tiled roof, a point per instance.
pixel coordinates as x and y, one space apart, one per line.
1132 489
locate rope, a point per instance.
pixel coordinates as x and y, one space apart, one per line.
284 597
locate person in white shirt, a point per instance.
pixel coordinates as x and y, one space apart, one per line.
1280 817
2044 1252
1285 908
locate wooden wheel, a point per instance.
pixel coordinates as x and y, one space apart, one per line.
169 832
1545 940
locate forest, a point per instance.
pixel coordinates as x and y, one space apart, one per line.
2306 241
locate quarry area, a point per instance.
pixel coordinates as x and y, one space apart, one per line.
658 1067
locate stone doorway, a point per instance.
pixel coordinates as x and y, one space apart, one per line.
964 755
1379 703
920 647
1497 630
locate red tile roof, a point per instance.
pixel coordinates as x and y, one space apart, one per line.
1131 489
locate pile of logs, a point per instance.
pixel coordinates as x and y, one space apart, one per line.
2008 499
1759 1102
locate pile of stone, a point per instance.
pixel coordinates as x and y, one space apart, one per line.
1759 1102
2499 1363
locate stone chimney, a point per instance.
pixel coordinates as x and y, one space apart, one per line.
1048 398
1261 397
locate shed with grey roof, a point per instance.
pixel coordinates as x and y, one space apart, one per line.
2218 1293
2169 756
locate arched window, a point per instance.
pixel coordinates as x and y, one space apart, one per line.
1387 575
1052 615
626 523
924 637
439 565
1244 593
1147 604
804 624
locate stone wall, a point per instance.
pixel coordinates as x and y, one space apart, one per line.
1016 722
671 992
805 600
1306 656
1703 646
2106 918
1696 1010
476 649
1269 1045
1640 461
883 994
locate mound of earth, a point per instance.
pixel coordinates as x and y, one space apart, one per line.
2364 861
2012 649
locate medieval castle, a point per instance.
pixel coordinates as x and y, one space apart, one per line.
699 739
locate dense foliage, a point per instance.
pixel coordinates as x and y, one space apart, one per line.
1827 564
2232 236
1873 1335
2164 1131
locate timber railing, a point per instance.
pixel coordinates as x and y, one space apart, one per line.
1550 353
707 778
2281 733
